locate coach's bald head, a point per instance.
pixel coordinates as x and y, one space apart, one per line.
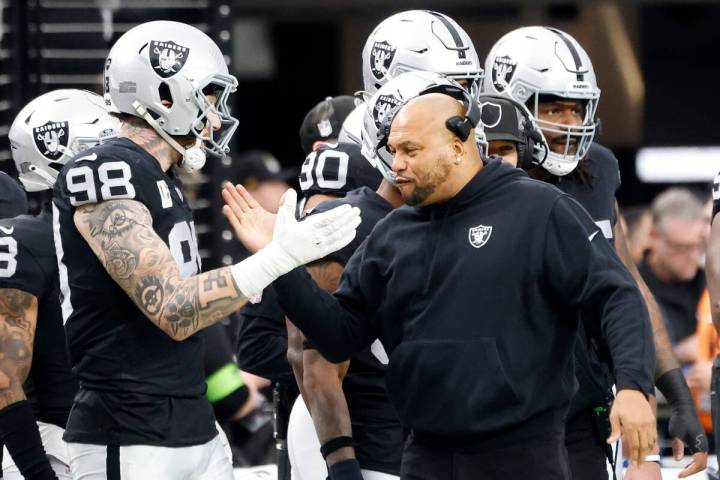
431 163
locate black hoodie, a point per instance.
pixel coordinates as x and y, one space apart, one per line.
476 300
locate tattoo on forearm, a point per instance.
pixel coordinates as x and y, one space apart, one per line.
121 235
18 314
14 305
182 311
150 294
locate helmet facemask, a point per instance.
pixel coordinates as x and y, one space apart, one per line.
561 164
215 141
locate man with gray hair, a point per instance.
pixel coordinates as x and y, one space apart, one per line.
671 266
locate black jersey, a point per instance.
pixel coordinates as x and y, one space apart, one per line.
598 195
376 427
137 385
27 263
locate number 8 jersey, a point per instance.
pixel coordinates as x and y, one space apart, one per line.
137 385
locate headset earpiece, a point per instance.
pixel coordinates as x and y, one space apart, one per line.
460 126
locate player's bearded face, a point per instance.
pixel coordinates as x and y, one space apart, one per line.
566 112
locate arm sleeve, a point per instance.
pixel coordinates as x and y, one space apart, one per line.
262 343
342 324
585 272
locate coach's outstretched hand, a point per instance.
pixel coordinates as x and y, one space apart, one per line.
632 416
293 243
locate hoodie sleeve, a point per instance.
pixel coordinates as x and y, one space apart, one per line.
585 272
338 325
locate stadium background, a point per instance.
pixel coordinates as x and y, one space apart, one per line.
656 64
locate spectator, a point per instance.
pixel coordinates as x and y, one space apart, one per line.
261 174
638 223
671 266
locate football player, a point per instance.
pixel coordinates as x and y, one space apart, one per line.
548 71
38 386
330 171
132 294
409 41
347 401
13 201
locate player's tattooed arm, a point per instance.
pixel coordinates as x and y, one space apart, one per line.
664 357
18 317
121 235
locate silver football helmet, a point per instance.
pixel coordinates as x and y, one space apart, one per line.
420 40
382 106
533 61
351 131
52 129
164 72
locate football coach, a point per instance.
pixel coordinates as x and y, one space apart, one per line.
474 289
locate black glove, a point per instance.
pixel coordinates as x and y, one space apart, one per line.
684 423
345 470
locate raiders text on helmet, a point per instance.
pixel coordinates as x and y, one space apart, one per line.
419 40
53 128
533 61
168 73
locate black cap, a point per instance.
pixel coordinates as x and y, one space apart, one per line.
325 120
13 201
500 118
258 166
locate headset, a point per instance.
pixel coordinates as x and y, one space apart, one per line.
532 148
459 125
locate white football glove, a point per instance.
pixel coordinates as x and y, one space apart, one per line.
295 243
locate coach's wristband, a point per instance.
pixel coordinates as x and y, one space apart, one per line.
19 432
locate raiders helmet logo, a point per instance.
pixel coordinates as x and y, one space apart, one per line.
479 235
51 139
490 114
503 70
382 55
167 58
384 105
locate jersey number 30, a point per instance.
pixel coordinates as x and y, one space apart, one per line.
114 180
330 163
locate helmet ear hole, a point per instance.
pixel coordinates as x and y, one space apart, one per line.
165 95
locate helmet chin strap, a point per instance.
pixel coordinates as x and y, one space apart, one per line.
193 158
43 174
